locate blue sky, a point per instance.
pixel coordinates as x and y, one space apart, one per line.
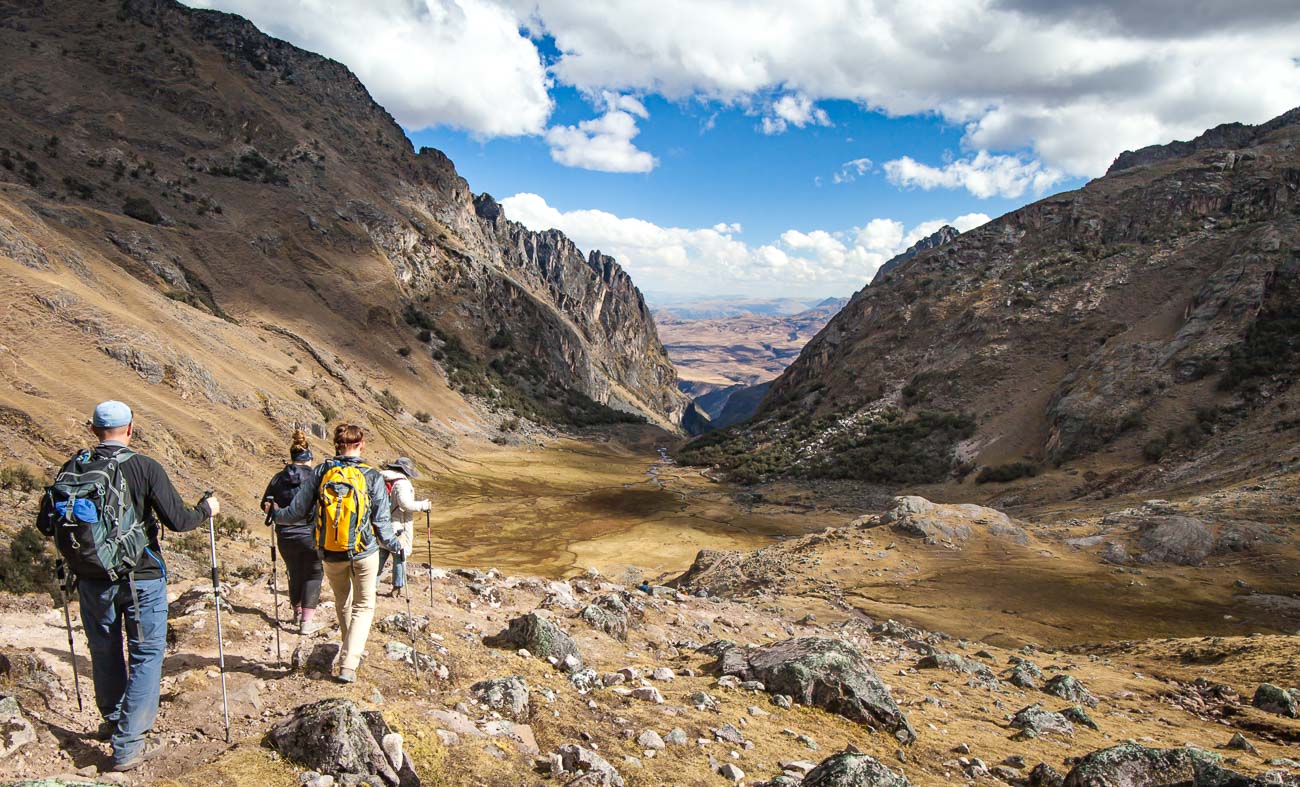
770 148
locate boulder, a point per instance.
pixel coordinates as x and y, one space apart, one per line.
1134 765
401 623
1037 720
335 738
607 613
541 637
827 673
1025 674
592 768
15 730
509 696
955 524
851 769
1068 687
1175 539
1275 699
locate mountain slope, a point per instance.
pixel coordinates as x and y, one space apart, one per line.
1142 328
226 229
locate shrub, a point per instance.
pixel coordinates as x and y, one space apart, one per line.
389 401
1155 449
510 425
142 209
303 392
28 567
1001 474
500 340
404 351
425 335
327 413
18 478
78 187
423 417
293 369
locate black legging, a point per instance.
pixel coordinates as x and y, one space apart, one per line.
305 571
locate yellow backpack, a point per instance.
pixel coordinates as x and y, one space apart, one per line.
344 503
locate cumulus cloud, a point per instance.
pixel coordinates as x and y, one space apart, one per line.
1074 81
793 110
604 143
683 259
460 63
851 170
983 175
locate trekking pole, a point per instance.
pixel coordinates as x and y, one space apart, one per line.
428 542
275 589
216 602
410 629
67 619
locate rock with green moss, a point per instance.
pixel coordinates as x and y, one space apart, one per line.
1134 765
1068 687
853 769
1037 720
1275 699
825 673
542 638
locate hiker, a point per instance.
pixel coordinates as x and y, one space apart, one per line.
349 506
398 475
126 586
297 540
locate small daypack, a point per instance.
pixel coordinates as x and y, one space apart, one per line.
342 507
96 528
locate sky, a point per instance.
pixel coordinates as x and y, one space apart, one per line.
776 149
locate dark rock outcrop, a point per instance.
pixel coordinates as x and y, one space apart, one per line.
542 638
1133 765
1226 136
1275 699
826 673
852 769
941 236
334 737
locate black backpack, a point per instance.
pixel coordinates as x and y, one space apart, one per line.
96 528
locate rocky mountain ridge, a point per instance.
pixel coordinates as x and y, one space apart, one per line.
229 228
1138 332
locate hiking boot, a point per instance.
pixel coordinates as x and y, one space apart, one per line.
105 730
395 592
347 675
310 627
147 752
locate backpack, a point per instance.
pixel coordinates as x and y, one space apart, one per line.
343 504
96 528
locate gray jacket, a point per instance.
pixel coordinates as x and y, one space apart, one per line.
381 529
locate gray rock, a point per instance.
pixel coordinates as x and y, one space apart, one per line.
1077 715
335 738
319 658
1040 721
1133 765
1044 775
595 769
607 613
509 696
731 772
542 638
649 694
584 680
1275 699
649 739
1175 539
955 524
1025 674
728 733
826 673
676 736
1068 687
851 769
1238 742
1114 553
15 730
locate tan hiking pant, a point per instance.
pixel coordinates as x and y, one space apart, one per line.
353 583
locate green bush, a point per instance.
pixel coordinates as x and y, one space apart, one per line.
18 478
1155 449
389 401
423 417
142 209
404 351
1271 347
1001 474
327 413
29 567
229 527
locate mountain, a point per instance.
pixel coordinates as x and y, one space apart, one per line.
1140 332
226 229
943 235
720 307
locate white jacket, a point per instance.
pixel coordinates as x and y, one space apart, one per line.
403 506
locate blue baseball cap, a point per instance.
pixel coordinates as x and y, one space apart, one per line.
111 414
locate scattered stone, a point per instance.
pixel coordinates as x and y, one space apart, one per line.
850 769
1025 674
826 673
584 680
1140 766
607 613
649 694
312 656
1275 699
662 674
782 701
1039 721
401 623
731 772
335 738
704 701
649 739
1175 539
676 737
15 730
595 769
1238 742
1044 775
728 733
542 638
1078 715
509 696
1068 687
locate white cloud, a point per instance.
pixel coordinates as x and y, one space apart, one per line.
681 259
851 170
603 143
461 63
984 175
793 110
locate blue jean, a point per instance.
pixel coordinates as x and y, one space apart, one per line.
399 568
126 696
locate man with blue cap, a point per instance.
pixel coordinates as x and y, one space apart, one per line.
140 495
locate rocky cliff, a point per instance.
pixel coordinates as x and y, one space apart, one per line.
1141 330
224 226
938 238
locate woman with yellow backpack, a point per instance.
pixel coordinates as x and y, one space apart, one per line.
349 507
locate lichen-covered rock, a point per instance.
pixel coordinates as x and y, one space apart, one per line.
15 730
595 769
955 524
334 737
822 672
609 613
1025 674
1275 699
1068 687
1038 720
1133 765
1175 539
509 696
541 637
851 769
1077 715
1044 775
